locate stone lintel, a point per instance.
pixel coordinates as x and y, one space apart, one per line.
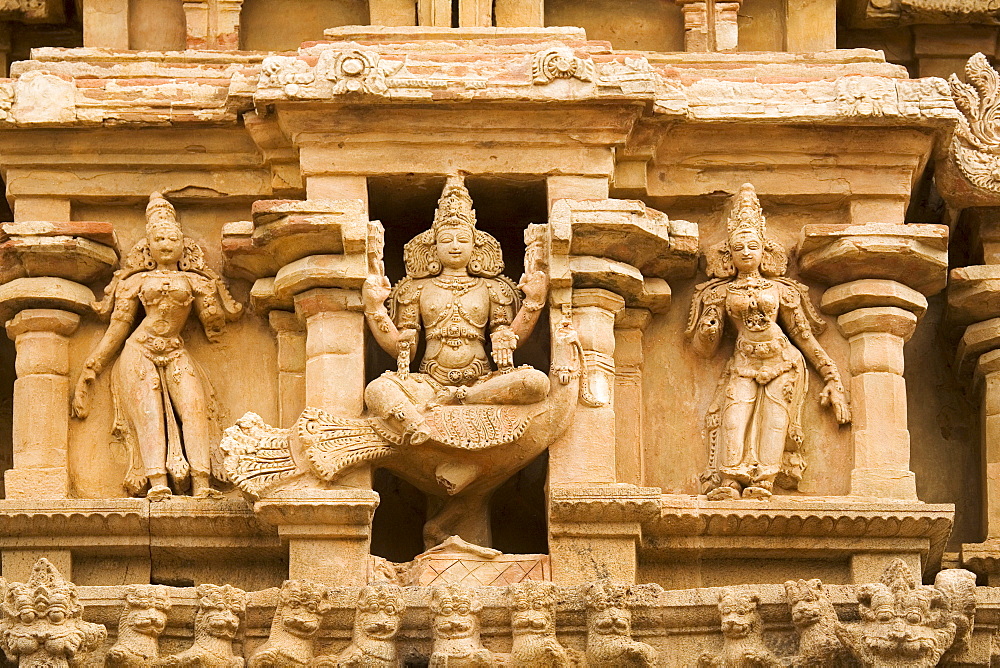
914 255
651 294
782 527
136 527
320 511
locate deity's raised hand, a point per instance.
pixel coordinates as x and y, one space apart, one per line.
375 291
535 285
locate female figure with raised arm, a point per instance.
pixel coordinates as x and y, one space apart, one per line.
163 401
753 426
454 291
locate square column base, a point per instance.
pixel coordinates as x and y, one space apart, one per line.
40 483
884 484
328 534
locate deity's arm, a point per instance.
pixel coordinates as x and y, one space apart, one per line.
536 288
126 305
405 298
794 316
707 318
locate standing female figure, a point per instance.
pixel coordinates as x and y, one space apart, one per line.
163 401
754 417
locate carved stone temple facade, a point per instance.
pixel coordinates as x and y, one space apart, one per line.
473 333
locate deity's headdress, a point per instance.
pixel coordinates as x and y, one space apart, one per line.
746 213
454 207
454 210
167 217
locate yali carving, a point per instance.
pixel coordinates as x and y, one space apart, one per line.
301 607
742 634
455 625
164 403
908 625
533 621
753 426
143 618
43 626
815 620
216 623
378 617
609 629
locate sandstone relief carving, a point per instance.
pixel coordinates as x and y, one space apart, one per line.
976 147
561 63
815 621
377 619
533 622
301 607
216 623
455 626
164 403
43 626
753 426
609 629
906 624
742 634
458 428
143 618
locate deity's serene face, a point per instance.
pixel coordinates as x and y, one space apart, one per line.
454 246
747 249
166 244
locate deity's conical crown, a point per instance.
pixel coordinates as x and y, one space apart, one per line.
158 204
746 213
455 206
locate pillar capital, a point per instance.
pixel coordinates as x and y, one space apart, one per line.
878 320
322 300
55 321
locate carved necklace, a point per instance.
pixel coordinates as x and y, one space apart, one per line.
459 285
755 319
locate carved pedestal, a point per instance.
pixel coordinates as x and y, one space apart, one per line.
328 534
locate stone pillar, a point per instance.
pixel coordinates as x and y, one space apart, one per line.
391 12
335 357
629 426
41 404
291 337
586 453
988 377
337 187
710 25
475 13
213 24
434 13
105 24
520 13
576 187
878 317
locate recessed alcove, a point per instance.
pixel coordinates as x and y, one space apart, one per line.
504 207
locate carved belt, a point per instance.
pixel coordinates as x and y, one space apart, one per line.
464 376
159 349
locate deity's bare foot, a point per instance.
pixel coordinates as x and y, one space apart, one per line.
158 493
207 493
201 488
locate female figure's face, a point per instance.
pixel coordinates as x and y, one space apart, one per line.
747 249
166 245
454 247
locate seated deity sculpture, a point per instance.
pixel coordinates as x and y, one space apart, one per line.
457 428
455 293
753 426
163 400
